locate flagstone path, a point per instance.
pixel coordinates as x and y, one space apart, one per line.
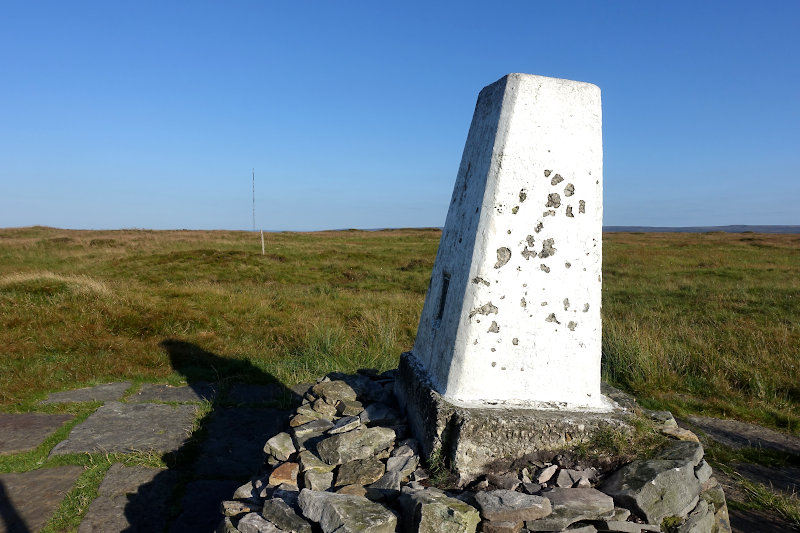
156 418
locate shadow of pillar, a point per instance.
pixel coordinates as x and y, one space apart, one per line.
11 519
226 447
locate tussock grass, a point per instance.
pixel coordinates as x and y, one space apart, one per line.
692 323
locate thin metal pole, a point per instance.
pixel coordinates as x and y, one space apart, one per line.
254 199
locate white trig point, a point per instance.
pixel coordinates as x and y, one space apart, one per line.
512 314
507 356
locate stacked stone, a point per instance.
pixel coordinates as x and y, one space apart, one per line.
346 464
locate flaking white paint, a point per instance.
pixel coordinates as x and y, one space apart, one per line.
512 314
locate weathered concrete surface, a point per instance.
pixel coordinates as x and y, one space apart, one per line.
201 505
125 428
514 298
737 435
130 499
100 393
474 438
21 432
156 392
234 447
29 499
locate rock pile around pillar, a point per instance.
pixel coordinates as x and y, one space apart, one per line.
347 464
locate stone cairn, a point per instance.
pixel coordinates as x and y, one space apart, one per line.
346 464
505 367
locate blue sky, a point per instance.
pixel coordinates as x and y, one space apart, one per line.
354 114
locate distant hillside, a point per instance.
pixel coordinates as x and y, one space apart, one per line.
704 229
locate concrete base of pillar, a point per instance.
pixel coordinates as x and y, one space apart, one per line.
474 437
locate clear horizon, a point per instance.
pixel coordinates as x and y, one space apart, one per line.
151 115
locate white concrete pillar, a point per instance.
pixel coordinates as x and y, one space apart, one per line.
512 314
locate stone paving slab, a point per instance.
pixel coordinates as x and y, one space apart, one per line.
99 393
29 499
125 428
235 444
155 392
785 478
201 505
753 521
22 432
737 434
130 498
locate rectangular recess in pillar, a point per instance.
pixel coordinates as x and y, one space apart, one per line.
442 300
519 261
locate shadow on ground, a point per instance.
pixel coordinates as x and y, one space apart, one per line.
11 519
225 448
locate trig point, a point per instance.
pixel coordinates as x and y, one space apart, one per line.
507 355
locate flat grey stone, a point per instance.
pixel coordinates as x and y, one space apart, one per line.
234 447
333 391
280 446
735 434
99 393
308 434
126 428
29 499
130 498
344 513
200 505
357 444
655 489
544 475
389 481
157 392
700 520
505 480
255 523
568 478
432 511
686 451
509 506
239 508
349 408
309 461
405 466
21 432
360 472
279 513
317 480
572 505
366 389
345 424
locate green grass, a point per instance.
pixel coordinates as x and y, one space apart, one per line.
691 322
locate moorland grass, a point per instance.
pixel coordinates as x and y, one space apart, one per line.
705 323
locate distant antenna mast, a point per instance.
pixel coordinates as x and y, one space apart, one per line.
254 199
